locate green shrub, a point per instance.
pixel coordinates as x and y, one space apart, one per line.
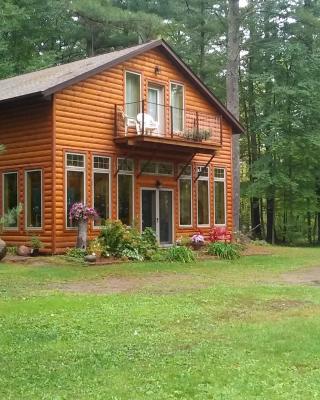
76 254
12 250
97 247
181 254
124 241
35 243
227 251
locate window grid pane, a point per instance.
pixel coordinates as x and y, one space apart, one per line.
187 171
125 164
204 171
101 197
101 162
185 190
75 160
203 202
219 173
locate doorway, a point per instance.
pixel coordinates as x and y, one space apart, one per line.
156 105
157 213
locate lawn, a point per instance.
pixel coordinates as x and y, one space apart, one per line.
213 330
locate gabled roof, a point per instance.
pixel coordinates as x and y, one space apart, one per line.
50 80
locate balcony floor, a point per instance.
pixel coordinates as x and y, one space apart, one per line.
167 144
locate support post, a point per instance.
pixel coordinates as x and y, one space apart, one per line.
142 117
171 120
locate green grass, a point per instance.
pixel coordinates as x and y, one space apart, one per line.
213 330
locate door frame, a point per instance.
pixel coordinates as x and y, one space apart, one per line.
161 110
157 190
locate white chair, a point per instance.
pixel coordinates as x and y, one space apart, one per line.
149 125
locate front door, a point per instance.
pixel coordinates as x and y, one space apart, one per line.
157 207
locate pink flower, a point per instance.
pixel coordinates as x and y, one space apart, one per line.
80 212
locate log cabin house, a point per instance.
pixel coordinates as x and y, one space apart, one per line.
133 133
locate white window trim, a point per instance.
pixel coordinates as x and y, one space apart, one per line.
204 178
101 171
10 228
73 168
127 71
183 101
122 172
225 194
191 202
28 228
157 168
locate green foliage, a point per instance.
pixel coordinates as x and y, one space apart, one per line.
12 250
97 247
180 254
76 254
10 217
123 241
36 243
227 251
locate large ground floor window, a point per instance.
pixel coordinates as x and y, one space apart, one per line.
125 190
33 199
101 188
75 182
10 197
185 196
219 196
203 196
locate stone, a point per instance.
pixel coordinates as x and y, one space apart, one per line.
3 249
91 258
23 251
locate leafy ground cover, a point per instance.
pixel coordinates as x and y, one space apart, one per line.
209 330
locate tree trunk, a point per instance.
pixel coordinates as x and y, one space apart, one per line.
82 235
233 65
255 218
270 220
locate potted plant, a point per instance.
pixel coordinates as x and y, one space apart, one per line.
197 134
197 241
81 214
36 245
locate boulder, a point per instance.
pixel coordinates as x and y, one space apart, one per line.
23 251
3 249
91 258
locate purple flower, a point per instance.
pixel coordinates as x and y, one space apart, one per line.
80 212
197 238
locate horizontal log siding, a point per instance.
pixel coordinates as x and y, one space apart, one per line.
84 119
26 132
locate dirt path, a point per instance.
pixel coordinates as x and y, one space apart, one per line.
305 276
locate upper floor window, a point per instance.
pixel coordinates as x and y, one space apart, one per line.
133 94
177 104
75 182
10 197
33 194
219 196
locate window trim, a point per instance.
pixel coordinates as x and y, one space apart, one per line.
39 228
10 228
122 172
129 71
73 168
183 101
225 194
203 178
101 171
191 198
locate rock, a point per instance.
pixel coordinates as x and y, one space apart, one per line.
23 251
91 258
3 249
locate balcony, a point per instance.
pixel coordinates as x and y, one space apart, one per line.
145 125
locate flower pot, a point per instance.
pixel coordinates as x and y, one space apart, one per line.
196 246
34 252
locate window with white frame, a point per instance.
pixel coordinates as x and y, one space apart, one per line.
185 196
75 182
101 188
156 168
203 196
177 104
125 190
133 94
10 198
33 199
219 196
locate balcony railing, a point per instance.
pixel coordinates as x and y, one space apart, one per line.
147 118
